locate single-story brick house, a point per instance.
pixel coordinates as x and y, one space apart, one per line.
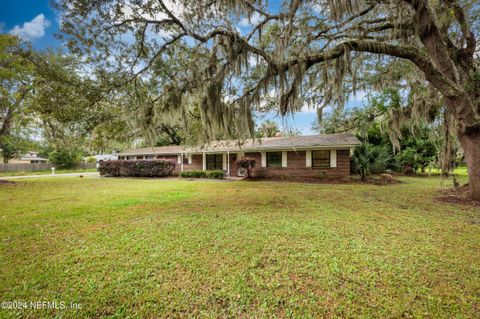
325 155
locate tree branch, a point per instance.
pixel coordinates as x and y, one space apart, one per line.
464 27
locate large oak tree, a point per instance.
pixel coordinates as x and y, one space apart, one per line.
301 51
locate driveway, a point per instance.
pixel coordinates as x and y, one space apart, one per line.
86 174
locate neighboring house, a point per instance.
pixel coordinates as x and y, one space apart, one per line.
103 157
30 157
299 156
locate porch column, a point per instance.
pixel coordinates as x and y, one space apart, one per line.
224 161
181 163
204 161
228 164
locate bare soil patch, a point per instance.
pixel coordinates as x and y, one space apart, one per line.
460 195
5 182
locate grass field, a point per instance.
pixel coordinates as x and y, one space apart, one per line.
172 248
58 171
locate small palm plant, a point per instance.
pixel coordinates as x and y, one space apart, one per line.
368 159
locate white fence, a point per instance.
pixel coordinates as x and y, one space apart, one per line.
28 167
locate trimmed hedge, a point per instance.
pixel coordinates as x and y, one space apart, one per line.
151 168
194 174
217 174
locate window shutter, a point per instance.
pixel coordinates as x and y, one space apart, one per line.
179 159
224 164
308 159
189 158
264 159
284 159
204 162
333 158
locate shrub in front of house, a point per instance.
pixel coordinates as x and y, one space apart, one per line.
151 168
194 174
246 166
216 174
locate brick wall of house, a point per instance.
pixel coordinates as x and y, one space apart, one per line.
233 165
168 157
196 163
296 166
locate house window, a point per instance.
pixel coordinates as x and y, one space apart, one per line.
139 157
321 159
274 159
149 157
185 159
214 161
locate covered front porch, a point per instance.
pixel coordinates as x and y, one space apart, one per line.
218 160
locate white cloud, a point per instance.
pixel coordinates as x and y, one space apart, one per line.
33 29
131 10
361 95
308 108
321 7
252 60
254 20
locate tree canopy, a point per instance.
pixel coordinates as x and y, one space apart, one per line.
302 52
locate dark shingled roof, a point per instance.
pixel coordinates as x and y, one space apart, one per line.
346 140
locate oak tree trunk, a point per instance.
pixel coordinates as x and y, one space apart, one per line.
471 148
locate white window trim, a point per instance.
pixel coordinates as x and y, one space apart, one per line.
264 159
333 158
308 159
189 159
224 161
284 159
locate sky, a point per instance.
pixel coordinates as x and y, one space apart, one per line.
32 20
37 22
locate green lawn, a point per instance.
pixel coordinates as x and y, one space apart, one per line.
172 248
58 171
